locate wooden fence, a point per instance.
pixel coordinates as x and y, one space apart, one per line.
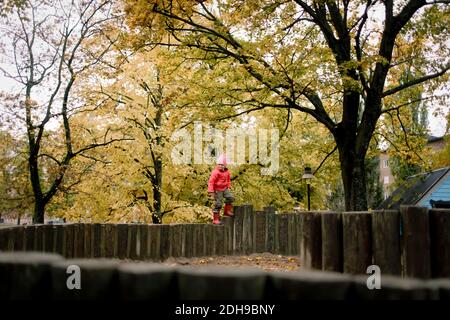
44 276
414 242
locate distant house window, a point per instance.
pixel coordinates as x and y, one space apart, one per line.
385 163
386 179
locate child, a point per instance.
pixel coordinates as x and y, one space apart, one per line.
219 185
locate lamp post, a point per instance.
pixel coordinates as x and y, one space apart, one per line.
307 175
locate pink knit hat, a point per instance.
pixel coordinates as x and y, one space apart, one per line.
222 159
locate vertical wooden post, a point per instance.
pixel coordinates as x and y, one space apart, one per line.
386 241
4 239
283 233
332 241
219 239
166 249
357 241
133 238
228 224
78 235
30 233
311 240
98 240
69 239
199 240
440 242
332 251
292 234
110 233
155 241
48 237
18 243
416 242
59 245
122 240
238 230
261 231
176 240
247 229
270 229
39 238
189 242
144 241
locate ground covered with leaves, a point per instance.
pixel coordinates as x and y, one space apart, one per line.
265 261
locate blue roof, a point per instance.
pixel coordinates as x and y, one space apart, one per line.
416 187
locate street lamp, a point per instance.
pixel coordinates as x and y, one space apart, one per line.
307 175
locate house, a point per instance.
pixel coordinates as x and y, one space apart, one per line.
387 179
421 189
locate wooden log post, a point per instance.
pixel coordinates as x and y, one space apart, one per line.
238 230
87 241
48 237
10 238
189 242
39 238
110 233
98 240
276 234
332 251
144 241
219 240
199 240
357 242
440 242
133 241
228 224
283 233
60 246
386 241
298 230
292 234
247 229
154 231
260 232
311 240
176 240
270 229
69 239
122 241
30 233
19 239
210 241
166 248
4 234
416 242
78 239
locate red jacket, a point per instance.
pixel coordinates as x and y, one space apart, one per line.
219 180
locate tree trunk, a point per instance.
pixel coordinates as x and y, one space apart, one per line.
39 211
354 180
157 215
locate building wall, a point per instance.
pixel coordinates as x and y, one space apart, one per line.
441 191
436 145
386 177
386 173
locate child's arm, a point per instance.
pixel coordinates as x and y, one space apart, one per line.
229 180
212 180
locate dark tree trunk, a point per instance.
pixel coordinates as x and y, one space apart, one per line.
354 179
39 211
39 205
157 214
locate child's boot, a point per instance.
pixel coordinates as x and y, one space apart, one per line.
216 217
228 210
